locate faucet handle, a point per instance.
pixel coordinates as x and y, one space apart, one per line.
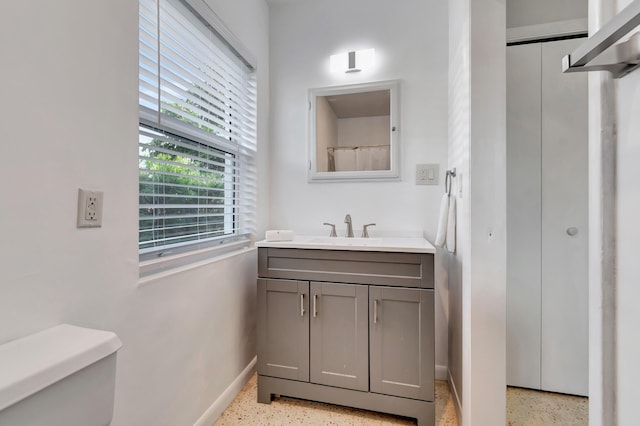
365 232
333 229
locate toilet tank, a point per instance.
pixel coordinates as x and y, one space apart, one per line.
62 376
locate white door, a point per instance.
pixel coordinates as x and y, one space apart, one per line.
547 289
523 215
565 289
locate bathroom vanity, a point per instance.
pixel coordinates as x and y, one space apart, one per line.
348 322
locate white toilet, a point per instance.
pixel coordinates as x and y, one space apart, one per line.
62 376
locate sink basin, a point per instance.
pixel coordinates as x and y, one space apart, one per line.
344 241
385 244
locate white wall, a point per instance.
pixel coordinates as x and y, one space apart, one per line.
477 149
526 12
614 206
362 131
627 247
459 132
69 115
410 42
628 234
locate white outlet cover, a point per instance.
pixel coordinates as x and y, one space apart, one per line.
89 208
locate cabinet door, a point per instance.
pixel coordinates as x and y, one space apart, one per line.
283 329
339 338
402 342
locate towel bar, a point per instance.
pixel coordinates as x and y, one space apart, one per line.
448 178
593 54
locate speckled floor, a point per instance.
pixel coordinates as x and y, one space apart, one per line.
245 410
524 408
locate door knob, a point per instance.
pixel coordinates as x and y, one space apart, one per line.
571 231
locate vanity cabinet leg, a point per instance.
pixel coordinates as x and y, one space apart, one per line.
264 396
426 417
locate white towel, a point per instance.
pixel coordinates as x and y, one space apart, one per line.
279 235
442 221
451 225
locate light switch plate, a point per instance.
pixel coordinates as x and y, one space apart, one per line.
427 174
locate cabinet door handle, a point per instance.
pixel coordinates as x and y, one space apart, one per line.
302 305
375 311
315 305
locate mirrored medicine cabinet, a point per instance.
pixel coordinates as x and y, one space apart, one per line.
353 132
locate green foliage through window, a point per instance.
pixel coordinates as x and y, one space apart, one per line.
182 190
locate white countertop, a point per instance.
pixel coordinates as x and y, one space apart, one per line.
386 244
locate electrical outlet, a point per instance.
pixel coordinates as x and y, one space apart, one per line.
427 174
89 208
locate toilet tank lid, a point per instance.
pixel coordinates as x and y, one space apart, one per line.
30 364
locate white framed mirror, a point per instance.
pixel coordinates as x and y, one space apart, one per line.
354 133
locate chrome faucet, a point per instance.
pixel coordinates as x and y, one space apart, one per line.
347 220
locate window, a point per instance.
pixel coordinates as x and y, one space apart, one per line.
197 141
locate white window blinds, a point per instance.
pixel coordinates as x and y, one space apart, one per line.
197 141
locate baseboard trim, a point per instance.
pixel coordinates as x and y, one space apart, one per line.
442 373
219 405
456 398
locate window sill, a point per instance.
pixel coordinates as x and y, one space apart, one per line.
152 270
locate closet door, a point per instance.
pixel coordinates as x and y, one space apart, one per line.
523 215
547 287
564 280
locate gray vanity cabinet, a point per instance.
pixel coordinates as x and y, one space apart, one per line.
402 333
349 328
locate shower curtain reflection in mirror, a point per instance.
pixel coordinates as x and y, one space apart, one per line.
347 159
